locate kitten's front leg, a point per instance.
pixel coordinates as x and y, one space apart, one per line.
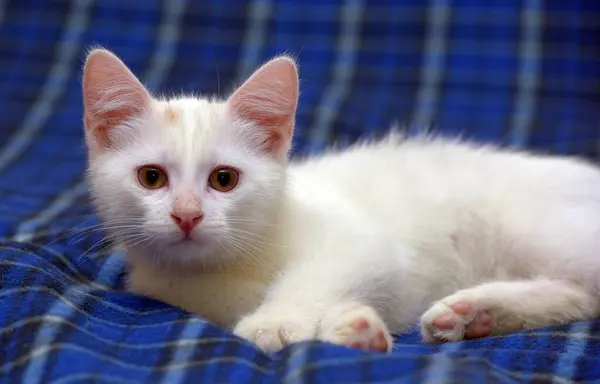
298 301
505 307
293 307
313 299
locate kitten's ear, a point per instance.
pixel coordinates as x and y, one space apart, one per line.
269 99
111 95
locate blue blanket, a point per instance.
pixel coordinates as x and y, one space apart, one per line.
522 73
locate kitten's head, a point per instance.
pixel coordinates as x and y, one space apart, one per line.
187 181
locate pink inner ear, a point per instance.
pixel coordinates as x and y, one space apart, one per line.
111 94
269 99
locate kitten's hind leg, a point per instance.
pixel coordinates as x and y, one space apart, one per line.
505 307
355 325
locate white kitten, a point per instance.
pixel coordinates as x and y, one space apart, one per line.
345 247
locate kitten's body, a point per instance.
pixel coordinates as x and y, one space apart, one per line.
376 235
402 224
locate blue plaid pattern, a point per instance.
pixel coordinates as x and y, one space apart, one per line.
523 73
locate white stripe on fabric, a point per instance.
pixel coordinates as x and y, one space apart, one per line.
297 359
528 77
579 335
432 69
343 71
183 354
60 73
255 35
63 202
441 364
168 37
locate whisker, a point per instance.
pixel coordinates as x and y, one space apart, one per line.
249 250
253 238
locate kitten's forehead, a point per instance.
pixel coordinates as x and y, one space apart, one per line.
191 127
191 114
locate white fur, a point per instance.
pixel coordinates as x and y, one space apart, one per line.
399 226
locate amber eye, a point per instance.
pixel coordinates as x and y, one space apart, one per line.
152 177
223 179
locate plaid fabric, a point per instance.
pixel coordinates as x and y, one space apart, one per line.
523 73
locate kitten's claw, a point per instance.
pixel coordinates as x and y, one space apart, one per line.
271 333
454 322
356 326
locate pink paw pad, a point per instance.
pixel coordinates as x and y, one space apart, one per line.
358 326
376 342
361 324
480 326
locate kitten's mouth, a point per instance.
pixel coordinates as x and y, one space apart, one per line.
187 239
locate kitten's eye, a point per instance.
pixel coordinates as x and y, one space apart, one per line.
223 179
152 177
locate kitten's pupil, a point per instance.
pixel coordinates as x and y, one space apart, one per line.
224 178
152 176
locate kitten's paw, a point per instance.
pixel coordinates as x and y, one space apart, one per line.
358 326
454 322
274 332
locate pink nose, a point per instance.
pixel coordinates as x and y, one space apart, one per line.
187 220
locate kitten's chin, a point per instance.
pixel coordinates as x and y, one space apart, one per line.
177 257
